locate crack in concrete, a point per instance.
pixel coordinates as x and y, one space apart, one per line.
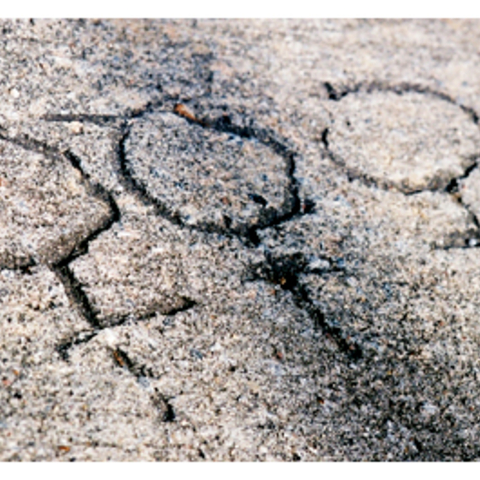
94 189
294 207
282 271
63 348
291 207
451 188
142 372
285 271
72 286
100 120
78 297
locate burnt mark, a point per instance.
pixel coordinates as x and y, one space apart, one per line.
285 271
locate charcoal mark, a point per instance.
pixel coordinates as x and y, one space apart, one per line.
285 271
76 295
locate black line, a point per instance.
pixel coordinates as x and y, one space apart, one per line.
63 348
285 271
451 187
100 120
77 296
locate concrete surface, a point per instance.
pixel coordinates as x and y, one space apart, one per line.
239 240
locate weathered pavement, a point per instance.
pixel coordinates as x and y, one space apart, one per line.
239 240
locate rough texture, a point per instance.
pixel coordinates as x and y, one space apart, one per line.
239 240
471 193
207 177
47 208
409 140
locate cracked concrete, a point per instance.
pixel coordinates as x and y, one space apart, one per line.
409 141
47 208
205 176
232 240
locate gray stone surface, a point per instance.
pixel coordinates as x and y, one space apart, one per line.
239 240
47 208
410 141
205 176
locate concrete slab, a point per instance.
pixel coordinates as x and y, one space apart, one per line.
239 240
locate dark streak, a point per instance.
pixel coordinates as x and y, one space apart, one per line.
63 347
77 296
32 145
162 403
285 271
99 120
186 304
324 138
